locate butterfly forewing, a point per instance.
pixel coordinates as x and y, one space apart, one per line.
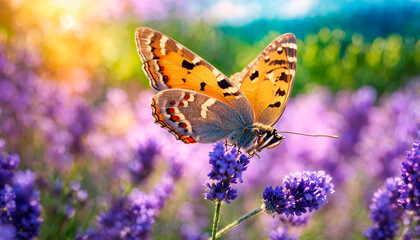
168 65
267 81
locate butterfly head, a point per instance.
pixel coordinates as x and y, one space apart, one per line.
256 137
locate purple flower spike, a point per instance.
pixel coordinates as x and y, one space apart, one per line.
227 168
143 164
302 192
8 165
385 213
19 201
410 173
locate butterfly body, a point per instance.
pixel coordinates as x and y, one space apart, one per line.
256 137
197 103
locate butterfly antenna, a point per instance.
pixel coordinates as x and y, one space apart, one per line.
311 135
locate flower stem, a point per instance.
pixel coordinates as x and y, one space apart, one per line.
235 223
216 219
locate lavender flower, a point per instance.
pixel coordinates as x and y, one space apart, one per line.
8 165
19 201
133 217
7 203
143 164
227 168
28 209
410 173
385 213
301 192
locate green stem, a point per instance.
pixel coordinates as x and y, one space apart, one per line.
235 223
216 219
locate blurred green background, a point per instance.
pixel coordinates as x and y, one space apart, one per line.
342 45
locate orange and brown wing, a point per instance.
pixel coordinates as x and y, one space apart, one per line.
267 81
169 65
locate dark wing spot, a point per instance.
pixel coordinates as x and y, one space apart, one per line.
275 105
283 77
254 75
224 84
229 94
291 52
184 80
277 62
202 85
152 49
280 52
165 78
280 92
266 59
187 65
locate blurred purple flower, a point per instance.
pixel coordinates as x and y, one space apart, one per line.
301 192
295 221
164 189
65 122
190 232
82 195
133 217
69 211
227 168
354 108
18 99
124 220
193 217
281 233
384 211
392 128
414 234
143 164
40 109
8 165
410 173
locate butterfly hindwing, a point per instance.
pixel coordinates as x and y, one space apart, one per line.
195 117
267 81
169 65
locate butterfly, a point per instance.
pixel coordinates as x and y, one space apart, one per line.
198 103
